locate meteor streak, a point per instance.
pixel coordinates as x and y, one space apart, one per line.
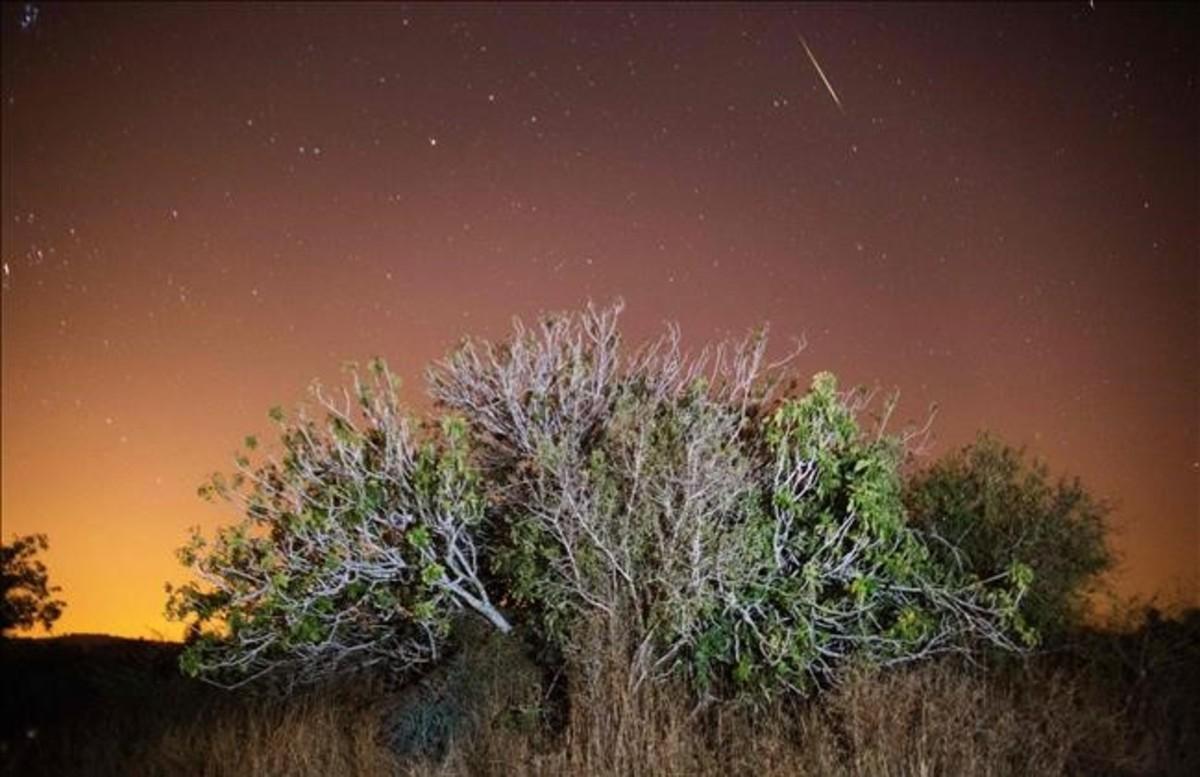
821 73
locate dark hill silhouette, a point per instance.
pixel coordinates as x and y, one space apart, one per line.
48 678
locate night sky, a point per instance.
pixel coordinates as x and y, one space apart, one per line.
204 208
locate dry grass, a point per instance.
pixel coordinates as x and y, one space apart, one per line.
911 724
314 737
936 719
486 713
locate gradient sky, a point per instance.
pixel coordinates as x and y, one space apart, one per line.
205 207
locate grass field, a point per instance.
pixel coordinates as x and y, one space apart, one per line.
1115 704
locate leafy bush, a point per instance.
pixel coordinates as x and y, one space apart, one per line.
617 481
724 530
356 548
841 576
736 545
991 507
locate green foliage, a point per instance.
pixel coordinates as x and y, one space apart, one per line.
995 509
26 596
840 576
752 542
743 548
635 533
354 549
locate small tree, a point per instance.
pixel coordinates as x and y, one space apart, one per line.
27 597
683 507
656 491
618 479
990 507
356 549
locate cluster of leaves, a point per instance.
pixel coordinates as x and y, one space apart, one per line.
751 538
840 575
356 546
992 507
26 596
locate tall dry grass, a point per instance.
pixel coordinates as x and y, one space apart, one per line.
312 738
491 711
944 718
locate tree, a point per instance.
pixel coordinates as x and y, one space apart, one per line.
617 480
25 584
356 549
688 508
990 506
736 534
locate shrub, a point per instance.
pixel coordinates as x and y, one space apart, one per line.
681 506
991 507
356 548
739 546
618 481
841 575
